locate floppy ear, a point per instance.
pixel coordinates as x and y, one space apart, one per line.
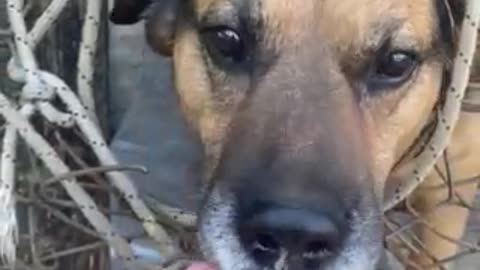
160 20
160 25
128 11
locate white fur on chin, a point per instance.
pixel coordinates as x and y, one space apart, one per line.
219 242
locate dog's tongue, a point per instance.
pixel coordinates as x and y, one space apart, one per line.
201 266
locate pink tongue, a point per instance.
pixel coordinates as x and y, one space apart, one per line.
201 266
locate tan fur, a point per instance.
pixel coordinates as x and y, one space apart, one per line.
449 220
393 120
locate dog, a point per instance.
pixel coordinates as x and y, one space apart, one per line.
306 110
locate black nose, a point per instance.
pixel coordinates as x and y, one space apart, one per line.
305 236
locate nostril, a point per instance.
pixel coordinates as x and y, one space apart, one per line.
318 249
265 248
297 233
266 242
316 252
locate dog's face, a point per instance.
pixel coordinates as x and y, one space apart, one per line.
303 107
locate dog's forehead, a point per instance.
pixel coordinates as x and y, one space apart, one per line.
338 21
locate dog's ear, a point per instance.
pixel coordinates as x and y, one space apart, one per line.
160 20
126 12
160 25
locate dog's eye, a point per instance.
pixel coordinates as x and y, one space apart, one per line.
393 68
225 43
395 65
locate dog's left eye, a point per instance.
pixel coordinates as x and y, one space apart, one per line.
392 69
225 43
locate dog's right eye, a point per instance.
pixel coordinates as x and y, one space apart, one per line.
223 43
